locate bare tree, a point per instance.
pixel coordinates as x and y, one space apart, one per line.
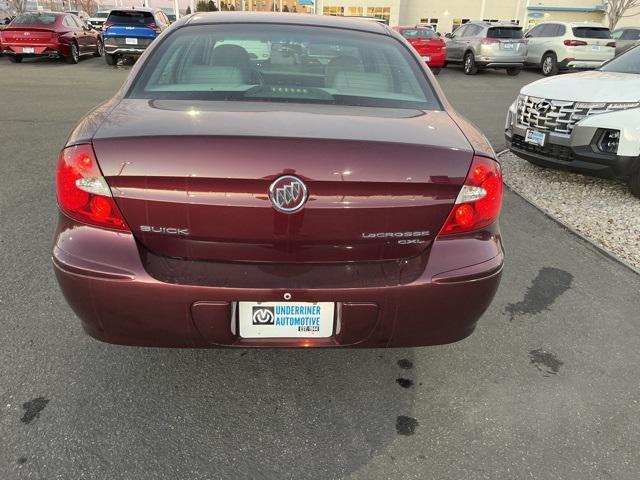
18 5
617 9
89 6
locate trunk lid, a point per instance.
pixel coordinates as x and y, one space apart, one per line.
379 187
26 35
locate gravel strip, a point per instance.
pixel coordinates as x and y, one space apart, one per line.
604 211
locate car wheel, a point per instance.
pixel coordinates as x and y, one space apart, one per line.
634 180
74 56
549 65
514 71
15 58
99 49
470 64
110 59
436 71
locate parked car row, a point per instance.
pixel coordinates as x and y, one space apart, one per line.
550 46
66 35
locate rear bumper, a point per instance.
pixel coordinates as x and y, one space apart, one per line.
573 64
104 279
51 50
436 60
117 50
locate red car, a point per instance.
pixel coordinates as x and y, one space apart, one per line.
49 34
428 44
268 180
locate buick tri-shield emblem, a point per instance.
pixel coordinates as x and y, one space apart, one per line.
288 194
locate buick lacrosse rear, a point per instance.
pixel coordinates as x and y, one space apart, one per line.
278 181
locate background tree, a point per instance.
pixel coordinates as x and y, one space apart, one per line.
202 6
18 5
617 9
188 11
89 6
211 7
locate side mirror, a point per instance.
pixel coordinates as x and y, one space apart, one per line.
448 35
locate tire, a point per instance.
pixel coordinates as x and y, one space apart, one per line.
110 59
469 64
74 55
549 64
634 180
436 70
15 58
99 49
514 71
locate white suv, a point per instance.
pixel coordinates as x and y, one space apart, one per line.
555 46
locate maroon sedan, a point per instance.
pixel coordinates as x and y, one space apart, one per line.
49 34
267 180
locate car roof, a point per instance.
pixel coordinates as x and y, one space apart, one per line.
493 24
350 23
134 9
576 24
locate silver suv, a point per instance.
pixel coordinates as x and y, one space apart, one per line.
626 39
478 45
556 46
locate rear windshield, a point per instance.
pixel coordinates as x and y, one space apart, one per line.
35 19
591 32
124 17
505 32
629 62
283 63
418 33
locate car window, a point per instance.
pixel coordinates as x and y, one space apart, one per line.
129 17
303 65
549 30
630 34
561 30
101 15
411 33
617 34
35 19
79 22
69 22
504 32
629 62
473 30
460 32
591 32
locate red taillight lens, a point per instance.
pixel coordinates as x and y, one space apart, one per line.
574 43
83 194
480 199
611 44
154 27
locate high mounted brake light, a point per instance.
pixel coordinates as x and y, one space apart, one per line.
83 193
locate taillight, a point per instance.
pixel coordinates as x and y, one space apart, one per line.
487 41
480 199
611 44
574 43
106 26
154 27
83 194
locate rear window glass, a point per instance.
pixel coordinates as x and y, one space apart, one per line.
591 32
504 32
35 19
282 63
418 33
101 14
124 17
629 62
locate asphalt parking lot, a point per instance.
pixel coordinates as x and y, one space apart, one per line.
548 387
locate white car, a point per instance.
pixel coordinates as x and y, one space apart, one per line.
556 46
98 19
587 122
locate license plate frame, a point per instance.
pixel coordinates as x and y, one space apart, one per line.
258 320
595 48
508 45
28 50
535 137
130 41
426 58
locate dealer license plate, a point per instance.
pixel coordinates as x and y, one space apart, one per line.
535 138
507 46
288 320
27 50
426 58
131 41
595 48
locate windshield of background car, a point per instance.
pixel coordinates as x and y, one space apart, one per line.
284 63
101 14
629 62
35 19
505 32
411 33
128 17
591 32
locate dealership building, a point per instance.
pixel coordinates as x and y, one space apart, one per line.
447 15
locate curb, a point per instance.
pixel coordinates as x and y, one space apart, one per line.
602 250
